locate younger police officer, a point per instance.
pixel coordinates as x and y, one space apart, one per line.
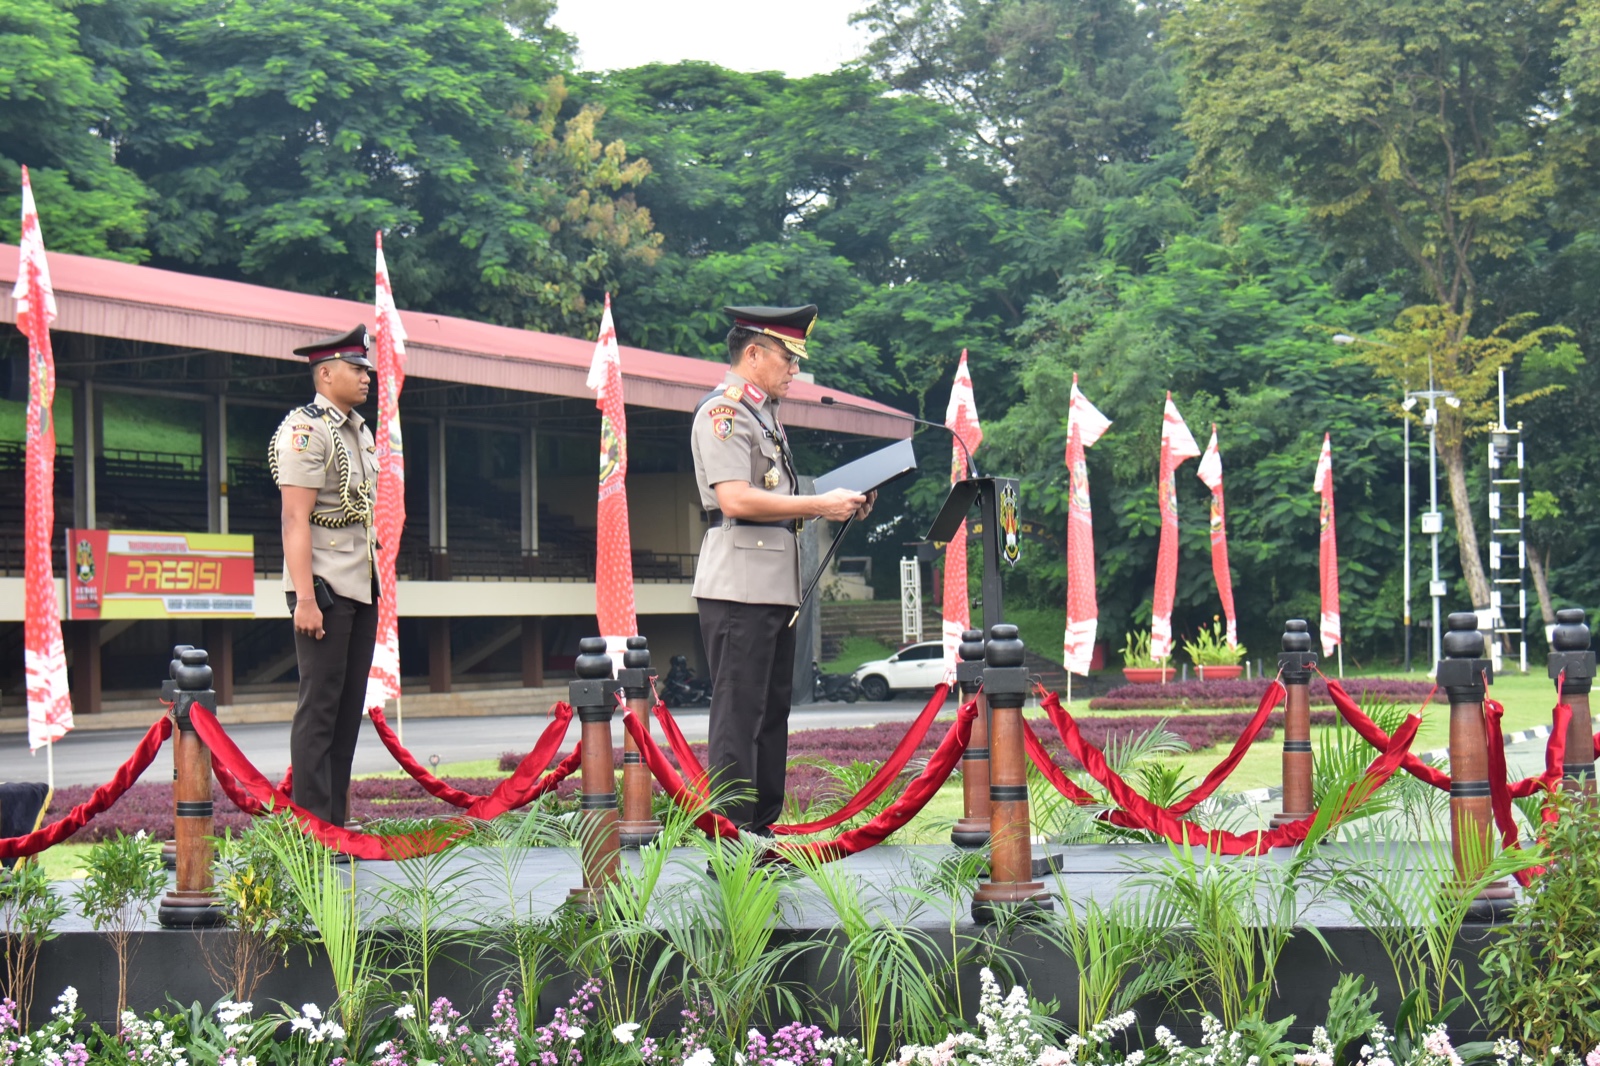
748 579
325 464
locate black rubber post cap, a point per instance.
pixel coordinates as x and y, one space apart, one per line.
971 649
637 657
593 663
1004 647
1571 633
1296 635
177 658
1462 640
193 673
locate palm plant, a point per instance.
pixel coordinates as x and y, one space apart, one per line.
423 913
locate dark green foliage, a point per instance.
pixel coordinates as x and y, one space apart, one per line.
1542 974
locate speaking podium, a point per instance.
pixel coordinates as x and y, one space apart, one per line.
996 501
867 474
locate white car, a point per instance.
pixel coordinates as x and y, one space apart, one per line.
917 666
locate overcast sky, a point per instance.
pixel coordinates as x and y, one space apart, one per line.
798 39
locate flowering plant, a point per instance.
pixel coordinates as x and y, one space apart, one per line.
54 1044
1136 652
1210 646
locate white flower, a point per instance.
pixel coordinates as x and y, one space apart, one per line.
574 1033
310 1011
300 1023
702 1057
439 1031
140 835
404 1011
623 1034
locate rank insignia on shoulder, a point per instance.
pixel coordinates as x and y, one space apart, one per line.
313 410
755 393
721 421
734 393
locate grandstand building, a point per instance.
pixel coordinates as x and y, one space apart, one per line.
169 386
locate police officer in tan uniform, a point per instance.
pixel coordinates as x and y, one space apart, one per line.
325 464
747 583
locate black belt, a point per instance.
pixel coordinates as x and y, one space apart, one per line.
715 517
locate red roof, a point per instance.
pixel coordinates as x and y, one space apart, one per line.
101 297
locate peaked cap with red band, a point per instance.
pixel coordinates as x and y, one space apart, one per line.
790 326
354 348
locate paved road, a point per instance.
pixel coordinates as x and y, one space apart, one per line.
88 758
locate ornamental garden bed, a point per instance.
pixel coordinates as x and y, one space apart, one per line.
1191 695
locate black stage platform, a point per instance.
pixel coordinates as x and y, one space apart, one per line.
168 966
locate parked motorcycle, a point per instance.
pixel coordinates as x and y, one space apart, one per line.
833 686
681 688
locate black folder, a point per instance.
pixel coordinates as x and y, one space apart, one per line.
872 471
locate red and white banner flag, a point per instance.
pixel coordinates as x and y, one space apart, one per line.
1328 554
1211 473
1085 425
613 574
389 508
1177 444
961 415
49 698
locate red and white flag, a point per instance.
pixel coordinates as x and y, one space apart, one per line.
1085 425
389 507
961 415
1328 554
1211 473
49 698
613 574
1177 444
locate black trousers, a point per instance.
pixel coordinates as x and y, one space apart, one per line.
327 721
751 650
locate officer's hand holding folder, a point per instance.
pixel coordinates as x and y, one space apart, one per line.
867 474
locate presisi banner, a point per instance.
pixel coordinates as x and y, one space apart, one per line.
131 574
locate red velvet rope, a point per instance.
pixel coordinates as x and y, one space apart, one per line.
1369 731
1500 793
888 772
880 781
681 750
1140 813
102 797
922 788
1052 773
226 754
1269 701
521 788
709 821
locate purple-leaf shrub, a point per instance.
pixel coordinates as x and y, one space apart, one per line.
1180 695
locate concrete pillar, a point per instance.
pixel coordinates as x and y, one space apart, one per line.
438 504
218 635
85 677
438 654
530 490
85 451
533 653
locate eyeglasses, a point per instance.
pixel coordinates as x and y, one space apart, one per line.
785 354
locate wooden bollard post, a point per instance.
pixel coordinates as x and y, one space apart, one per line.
192 903
638 826
169 697
972 831
594 697
1295 663
1462 673
1011 886
1569 651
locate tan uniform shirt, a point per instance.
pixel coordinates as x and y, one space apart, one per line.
344 475
744 563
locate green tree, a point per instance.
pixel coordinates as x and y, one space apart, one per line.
1053 89
57 112
280 134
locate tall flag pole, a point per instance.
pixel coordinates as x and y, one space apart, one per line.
614 607
1211 473
1328 556
1177 444
49 698
961 415
389 510
1085 426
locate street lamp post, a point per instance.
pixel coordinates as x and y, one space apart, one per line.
1432 521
